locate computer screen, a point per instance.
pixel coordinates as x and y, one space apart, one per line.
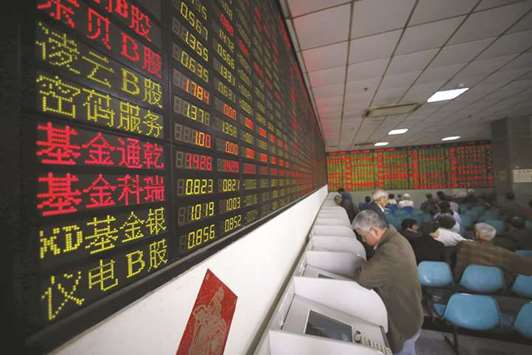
323 326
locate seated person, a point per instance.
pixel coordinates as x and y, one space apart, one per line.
482 251
392 273
444 234
410 229
347 205
427 248
345 195
391 199
445 209
516 237
364 205
430 205
406 201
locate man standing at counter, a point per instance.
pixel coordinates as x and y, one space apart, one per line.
392 273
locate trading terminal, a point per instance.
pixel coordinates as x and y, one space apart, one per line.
267 177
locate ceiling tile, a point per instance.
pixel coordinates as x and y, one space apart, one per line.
427 36
399 80
325 57
373 47
524 24
460 53
514 43
485 66
522 61
438 74
301 7
489 23
328 91
410 62
366 70
376 16
327 77
386 97
486 4
432 10
315 29
360 90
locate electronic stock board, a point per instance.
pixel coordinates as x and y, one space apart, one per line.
150 134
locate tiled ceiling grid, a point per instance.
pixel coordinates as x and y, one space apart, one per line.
370 53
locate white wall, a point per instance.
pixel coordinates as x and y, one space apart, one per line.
254 268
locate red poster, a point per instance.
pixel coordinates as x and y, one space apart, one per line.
209 322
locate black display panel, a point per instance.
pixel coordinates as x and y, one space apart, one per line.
147 136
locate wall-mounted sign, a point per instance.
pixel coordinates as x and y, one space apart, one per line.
522 175
210 320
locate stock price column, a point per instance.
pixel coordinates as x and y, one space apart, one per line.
98 163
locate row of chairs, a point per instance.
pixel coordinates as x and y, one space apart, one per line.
473 311
475 278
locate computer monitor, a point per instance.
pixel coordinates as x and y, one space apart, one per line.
314 319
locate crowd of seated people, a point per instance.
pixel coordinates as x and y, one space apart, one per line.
459 230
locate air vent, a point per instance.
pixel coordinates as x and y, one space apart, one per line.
391 110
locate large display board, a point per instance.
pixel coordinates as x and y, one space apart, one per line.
153 133
464 165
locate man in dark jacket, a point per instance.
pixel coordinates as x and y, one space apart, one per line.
392 272
380 200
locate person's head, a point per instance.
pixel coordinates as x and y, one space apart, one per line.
391 196
367 199
517 222
446 221
380 197
429 196
399 196
409 224
406 196
484 232
338 199
370 226
441 195
510 196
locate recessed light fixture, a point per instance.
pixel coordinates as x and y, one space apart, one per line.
451 138
398 131
380 144
390 110
445 95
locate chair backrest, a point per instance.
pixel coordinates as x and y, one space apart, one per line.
523 286
524 252
523 322
332 221
484 279
473 312
434 274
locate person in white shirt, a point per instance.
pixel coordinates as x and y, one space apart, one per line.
391 199
444 233
445 209
406 201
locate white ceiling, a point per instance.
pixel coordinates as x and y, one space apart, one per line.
368 53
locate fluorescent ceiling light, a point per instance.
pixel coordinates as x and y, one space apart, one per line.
391 110
398 131
445 95
380 144
451 138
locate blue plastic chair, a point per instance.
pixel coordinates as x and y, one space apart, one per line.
522 286
497 224
467 221
523 322
434 274
482 279
524 252
472 312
